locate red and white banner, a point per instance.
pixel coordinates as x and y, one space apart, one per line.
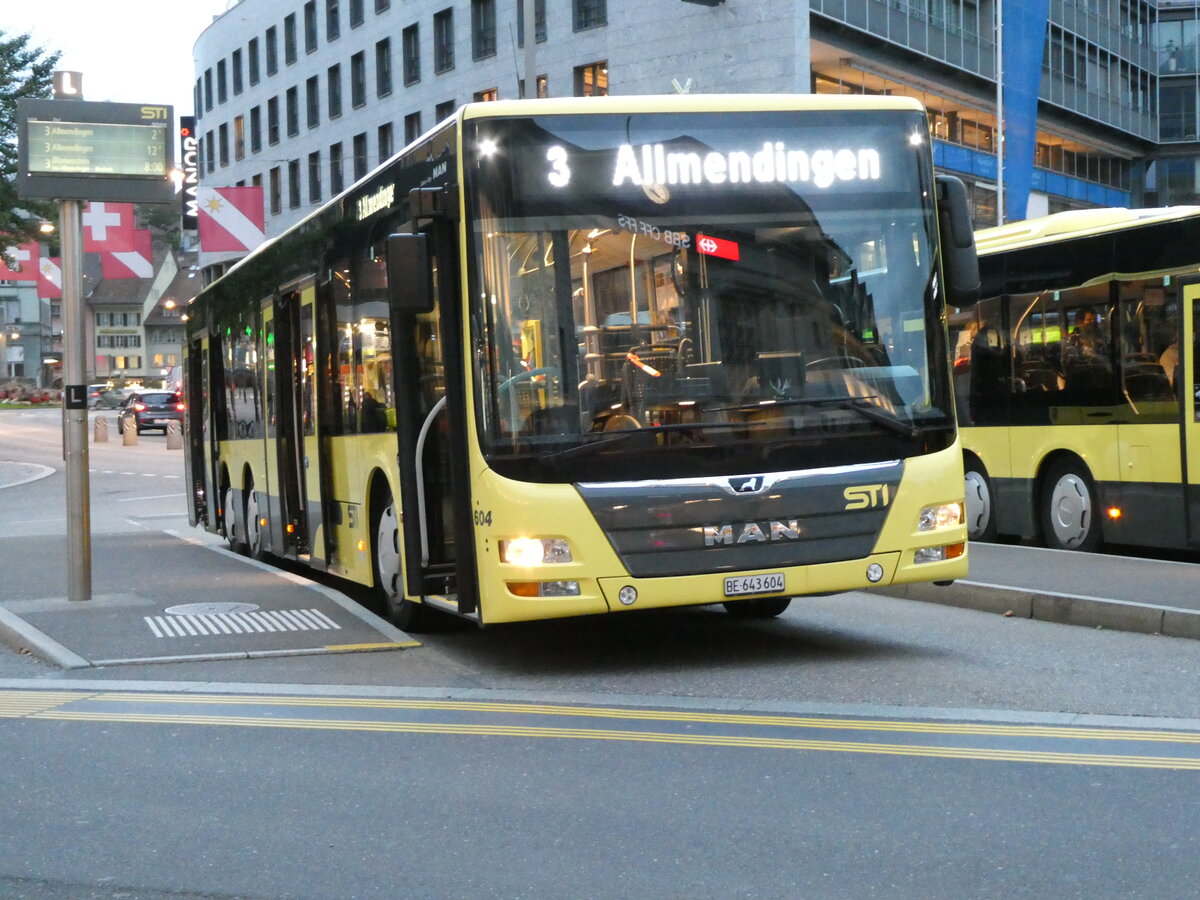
108 227
24 260
49 282
230 218
135 263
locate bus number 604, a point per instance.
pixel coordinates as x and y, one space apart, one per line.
483 517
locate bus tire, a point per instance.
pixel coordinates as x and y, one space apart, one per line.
401 612
255 546
981 502
229 521
757 607
1070 511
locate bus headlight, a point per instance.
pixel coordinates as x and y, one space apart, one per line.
535 551
947 515
938 554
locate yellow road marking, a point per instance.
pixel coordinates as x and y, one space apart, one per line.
658 715
15 704
971 753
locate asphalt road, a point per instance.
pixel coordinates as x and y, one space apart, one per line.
858 746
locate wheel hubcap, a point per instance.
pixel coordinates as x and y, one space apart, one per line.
253 533
1071 510
387 551
979 505
229 518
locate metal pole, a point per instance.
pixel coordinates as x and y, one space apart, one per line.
529 25
999 112
75 414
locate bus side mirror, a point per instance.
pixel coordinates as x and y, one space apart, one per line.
960 264
410 285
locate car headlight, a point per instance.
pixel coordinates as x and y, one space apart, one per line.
946 515
526 551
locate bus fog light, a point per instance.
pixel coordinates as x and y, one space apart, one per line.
559 589
938 554
874 573
627 595
946 515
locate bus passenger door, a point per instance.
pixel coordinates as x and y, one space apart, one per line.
200 461
431 430
1186 372
292 378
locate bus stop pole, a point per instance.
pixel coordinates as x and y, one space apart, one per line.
75 411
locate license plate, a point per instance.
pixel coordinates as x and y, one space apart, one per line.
162 421
770 583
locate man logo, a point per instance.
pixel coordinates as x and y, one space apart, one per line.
751 484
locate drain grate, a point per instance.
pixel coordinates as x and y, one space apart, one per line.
251 621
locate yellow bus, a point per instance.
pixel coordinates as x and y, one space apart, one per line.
1076 381
563 357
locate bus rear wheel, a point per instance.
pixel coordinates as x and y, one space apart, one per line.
255 546
1070 508
757 607
402 612
981 504
229 521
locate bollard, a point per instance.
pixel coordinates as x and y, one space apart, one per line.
174 436
100 430
130 435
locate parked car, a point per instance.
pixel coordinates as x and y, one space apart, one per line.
151 410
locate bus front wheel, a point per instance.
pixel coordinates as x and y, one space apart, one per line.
401 611
1070 508
758 607
981 503
229 521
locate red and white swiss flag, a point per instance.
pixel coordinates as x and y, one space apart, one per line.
135 263
108 227
24 262
711 246
230 218
49 282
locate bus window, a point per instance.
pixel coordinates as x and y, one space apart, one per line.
1147 330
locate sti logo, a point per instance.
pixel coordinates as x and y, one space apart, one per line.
866 496
154 113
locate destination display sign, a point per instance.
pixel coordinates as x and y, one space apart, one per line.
78 150
95 148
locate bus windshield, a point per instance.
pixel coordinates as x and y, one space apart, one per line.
678 292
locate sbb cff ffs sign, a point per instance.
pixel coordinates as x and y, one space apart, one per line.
77 150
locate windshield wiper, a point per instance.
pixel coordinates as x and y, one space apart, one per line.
861 405
621 437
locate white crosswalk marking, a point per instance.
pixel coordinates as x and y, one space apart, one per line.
258 622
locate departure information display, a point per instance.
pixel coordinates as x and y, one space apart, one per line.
96 148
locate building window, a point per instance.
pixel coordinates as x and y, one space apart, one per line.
208 91
235 64
210 152
385 141
198 98
222 85
239 137
591 80
360 155
444 110
589 13
310 26
292 112
382 5
275 191
255 129
334 87
356 13
412 127
383 67
539 22
312 102
293 183
335 169
272 51
289 38
358 80
483 28
487 96
273 120
252 60
223 143
412 55
443 41
333 20
543 86
314 178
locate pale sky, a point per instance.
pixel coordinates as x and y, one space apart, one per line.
129 51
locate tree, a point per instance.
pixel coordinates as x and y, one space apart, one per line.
25 71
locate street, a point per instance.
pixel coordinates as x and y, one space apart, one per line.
858 746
